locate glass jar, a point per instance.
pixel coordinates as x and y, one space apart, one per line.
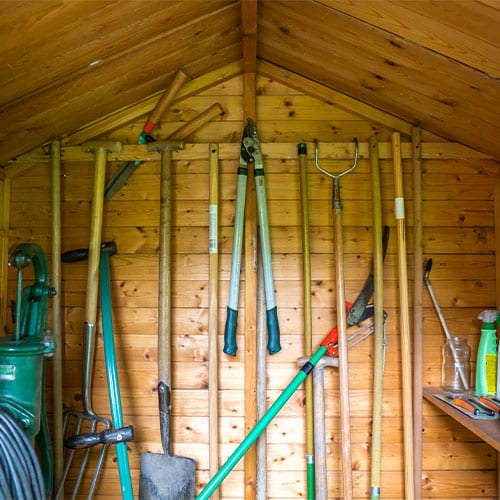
454 369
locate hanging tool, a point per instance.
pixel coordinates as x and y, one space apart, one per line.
341 322
449 337
318 377
251 153
404 318
213 309
75 419
379 250
128 168
360 309
327 347
115 402
320 466
165 476
306 266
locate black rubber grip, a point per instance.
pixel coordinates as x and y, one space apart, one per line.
230 346
108 436
82 253
273 331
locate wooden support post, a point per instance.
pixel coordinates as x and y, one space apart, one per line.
418 280
249 41
5 186
57 364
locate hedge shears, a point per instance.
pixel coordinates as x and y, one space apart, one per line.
250 153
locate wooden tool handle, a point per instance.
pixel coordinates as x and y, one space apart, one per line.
213 315
192 126
164 280
404 318
165 100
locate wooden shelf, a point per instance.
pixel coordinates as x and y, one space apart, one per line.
487 430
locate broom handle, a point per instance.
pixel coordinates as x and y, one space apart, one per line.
378 299
342 342
406 369
306 262
213 317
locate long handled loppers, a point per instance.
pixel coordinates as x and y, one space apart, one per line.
251 153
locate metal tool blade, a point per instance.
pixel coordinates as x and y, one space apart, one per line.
356 312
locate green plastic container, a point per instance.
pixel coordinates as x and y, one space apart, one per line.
21 373
486 363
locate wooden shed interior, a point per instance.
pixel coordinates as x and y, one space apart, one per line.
415 82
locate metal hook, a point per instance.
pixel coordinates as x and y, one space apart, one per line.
335 177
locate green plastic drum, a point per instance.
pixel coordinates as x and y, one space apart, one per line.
21 376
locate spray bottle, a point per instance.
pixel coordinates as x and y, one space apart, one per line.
486 363
498 359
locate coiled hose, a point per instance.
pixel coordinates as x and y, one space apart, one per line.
20 472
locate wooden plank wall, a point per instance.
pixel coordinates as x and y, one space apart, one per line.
458 234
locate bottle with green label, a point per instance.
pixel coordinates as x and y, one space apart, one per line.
486 363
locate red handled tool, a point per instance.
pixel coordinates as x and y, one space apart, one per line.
128 168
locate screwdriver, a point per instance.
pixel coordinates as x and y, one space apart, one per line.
466 405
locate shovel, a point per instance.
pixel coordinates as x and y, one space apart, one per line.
165 477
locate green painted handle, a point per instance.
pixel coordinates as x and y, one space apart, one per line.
273 330
260 426
230 346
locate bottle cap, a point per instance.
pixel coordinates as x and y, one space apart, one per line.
488 318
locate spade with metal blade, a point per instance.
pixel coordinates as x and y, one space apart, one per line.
165 476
